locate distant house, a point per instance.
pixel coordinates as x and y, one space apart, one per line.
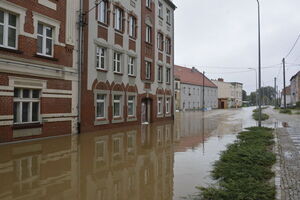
229 93
191 87
295 88
287 92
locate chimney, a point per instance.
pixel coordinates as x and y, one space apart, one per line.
194 69
221 79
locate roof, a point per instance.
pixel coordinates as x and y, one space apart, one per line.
192 76
287 90
297 74
170 3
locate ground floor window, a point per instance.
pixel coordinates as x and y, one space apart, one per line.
168 105
117 106
100 106
26 105
159 105
131 105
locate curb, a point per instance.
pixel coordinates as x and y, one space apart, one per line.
276 168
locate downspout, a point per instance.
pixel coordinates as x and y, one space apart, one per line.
80 55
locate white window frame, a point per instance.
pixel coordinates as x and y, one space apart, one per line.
131 64
102 12
132 26
168 11
148 70
148 3
104 106
44 39
131 101
160 10
160 73
168 46
101 53
119 101
117 61
160 41
20 100
168 75
148 33
159 105
118 19
168 105
6 27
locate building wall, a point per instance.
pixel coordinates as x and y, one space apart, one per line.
192 97
54 77
95 81
295 89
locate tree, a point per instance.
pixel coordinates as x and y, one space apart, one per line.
244 96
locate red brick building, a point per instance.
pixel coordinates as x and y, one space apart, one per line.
38 69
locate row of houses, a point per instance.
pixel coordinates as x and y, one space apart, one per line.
194 91
292 91
76 66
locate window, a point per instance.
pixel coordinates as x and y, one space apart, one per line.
160 10
117 106
117 62
8 30
118 19
100 150
116 145
160 74
45 40
102 12
168 16
100 57
148 3
131 61
131 107
148 34
132 26
168 105
160 41
148 70
168 46
100 106
26 105
168 75
159 105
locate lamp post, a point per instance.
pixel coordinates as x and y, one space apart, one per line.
255 83
259 67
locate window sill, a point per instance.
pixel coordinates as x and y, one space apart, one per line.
120 32
101 70
161 18
149 8
117 118
11 50
168 83
148 43
168 23
131 117
133 76
27 126
103 24
160 82
46 57
118 73
133 38
101 119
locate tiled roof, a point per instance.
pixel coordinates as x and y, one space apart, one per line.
191 76
297 74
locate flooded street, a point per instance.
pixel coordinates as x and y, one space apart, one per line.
161 161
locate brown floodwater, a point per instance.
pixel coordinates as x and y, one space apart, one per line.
161 161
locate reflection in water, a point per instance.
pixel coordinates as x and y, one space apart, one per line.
131 164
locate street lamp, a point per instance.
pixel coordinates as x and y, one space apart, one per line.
259 67
255 83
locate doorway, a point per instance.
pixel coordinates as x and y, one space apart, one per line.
146 108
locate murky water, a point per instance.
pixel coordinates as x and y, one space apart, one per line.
162 161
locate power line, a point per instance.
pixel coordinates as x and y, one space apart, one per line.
293 46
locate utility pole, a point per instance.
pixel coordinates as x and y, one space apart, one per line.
275 102
203 104
284 90
259 65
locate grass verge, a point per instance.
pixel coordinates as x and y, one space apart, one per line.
244 169
286 111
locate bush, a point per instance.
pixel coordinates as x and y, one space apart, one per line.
286 111
244 169
264 116
298 104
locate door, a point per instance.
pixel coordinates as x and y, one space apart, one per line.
145 111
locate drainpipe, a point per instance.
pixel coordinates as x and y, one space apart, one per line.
80 55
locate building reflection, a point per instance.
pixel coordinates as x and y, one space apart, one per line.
128 164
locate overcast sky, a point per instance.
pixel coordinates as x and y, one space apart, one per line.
222 35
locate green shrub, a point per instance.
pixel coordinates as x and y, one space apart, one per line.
298 104
244 169
286 111
264 116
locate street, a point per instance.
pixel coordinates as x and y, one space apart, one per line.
158 161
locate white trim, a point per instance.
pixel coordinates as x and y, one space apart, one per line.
6 123
48 4
6 87
57 119
9 94
6 117
57 91
61 115
56 96
27 82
